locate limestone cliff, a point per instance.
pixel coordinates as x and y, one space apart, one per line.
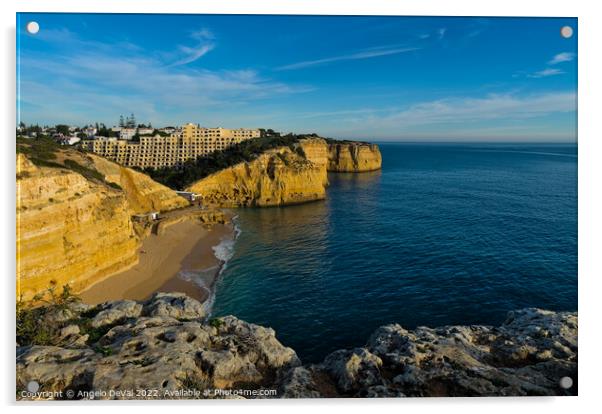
69 229
316 151
342 156
166 344
143 194
74 217
353 157
286 175
277 177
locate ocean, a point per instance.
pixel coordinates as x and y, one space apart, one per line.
443 234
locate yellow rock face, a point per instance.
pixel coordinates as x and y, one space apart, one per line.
277 177
344 156
353 157
69 229
143 194
316 151
282 176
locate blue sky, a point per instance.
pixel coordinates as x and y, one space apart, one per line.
373 78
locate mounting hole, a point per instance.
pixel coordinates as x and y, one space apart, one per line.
33 386
566 382
566 32
32 27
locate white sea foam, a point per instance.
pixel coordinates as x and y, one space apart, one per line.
223 252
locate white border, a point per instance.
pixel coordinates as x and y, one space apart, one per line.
590 206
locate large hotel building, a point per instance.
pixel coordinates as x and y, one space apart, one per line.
189 142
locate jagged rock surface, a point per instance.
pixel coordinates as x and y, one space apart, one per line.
166 344
163 344
527 355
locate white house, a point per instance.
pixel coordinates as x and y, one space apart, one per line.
127 133
145 131
187 195
90 131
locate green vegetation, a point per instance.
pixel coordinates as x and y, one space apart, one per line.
344 141
216 322
114 185
194 170
40 320
195 382
103 131
144 362
36 322
62 129
94 334
89 173
41 151
104 350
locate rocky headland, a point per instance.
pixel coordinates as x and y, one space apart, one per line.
353 157
277 177
168 346
286 175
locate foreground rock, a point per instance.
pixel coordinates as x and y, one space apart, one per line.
162 346
527 355
168 348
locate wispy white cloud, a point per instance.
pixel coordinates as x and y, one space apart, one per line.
363 54
562 57
493 116
205 44
441 32
193 53
469 109
549 71
545 73
80 77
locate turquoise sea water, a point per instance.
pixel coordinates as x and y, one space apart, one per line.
444 234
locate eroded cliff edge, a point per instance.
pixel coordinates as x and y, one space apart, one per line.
168 345
353 157
287 175
74 218
277 177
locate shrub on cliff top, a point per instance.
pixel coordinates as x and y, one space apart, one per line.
35 324
38 148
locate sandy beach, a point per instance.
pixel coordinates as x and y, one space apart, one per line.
185 247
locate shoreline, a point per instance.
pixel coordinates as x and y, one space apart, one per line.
183 249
